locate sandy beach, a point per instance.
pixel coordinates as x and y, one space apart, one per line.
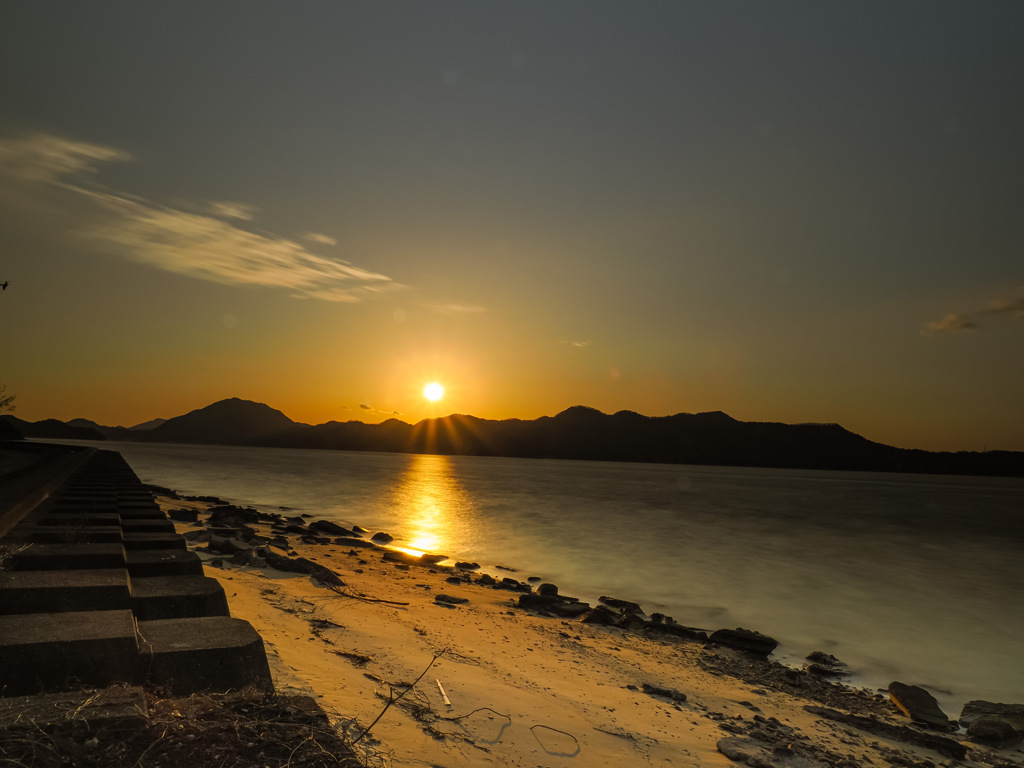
527 689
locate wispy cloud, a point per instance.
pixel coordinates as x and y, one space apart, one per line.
210 244
456 309
970 321
371 409
577 344
228 210
316 237
47 159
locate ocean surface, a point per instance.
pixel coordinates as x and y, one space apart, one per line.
915 578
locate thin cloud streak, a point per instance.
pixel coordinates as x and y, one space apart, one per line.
46 159
456 309
187 243
228 210
316 237
971 321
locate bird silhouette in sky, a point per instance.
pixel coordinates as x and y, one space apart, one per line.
4 284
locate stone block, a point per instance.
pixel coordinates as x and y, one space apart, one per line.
134 541
177 597
145 525
163 562
200 654
68 557
98 589
60 534
47 652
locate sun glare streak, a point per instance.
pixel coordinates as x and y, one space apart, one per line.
433 501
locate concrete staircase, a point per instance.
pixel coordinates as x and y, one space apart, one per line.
96 588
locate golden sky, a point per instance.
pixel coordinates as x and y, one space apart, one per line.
788 212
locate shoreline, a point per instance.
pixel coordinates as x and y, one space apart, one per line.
525 688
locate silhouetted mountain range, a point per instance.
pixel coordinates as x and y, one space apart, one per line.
576 433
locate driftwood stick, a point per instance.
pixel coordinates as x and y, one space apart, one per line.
392 699
480 709
443 694
539 725
339 591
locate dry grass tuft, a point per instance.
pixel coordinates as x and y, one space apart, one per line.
243 729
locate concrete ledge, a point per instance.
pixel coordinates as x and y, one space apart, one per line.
78 519
156 525
48 652
25 490
23 592
100 590
163 562
137 541
70 534
177 597
212 653
67 557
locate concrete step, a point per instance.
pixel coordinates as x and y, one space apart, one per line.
99 589
133 541
210 653
60 534
161 525
46 652
177 597
72 519
163 562
67 557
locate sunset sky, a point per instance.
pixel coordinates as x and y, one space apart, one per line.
786 211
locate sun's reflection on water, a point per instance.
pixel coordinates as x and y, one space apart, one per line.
432 502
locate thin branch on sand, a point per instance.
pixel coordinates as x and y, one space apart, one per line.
339 591
480 709
392 698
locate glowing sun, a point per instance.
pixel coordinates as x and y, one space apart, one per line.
433 391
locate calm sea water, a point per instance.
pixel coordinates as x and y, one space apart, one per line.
910 577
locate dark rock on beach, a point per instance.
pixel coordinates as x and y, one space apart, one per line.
570 609
668 693
601 614
547 589
678 630
826 665
382 538
462 566
329 527
623 605
450 599
348 541
394 556
941 744
302 565
995 725
630 621
183 515
534 602
919 705
745 640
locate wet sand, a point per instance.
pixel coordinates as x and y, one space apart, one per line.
533 690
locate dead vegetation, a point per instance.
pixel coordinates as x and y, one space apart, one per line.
242 729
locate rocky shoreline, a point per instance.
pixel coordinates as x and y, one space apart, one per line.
911 728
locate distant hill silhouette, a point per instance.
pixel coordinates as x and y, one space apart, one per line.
231 422
52 429
579 432
116 433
